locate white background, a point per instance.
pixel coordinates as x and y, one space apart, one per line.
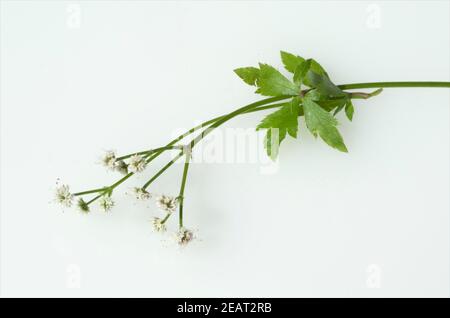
373 222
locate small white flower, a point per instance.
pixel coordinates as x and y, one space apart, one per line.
64 196
141 194
109 160
184 236
136 164
158 225
166 203
106 203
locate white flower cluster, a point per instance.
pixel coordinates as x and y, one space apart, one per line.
141 194
136 164
110 161
184 236
63 195
158 225
106 203
166 203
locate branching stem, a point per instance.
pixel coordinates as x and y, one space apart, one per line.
148 152
161 171
210 125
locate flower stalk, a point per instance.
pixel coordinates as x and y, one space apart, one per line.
187 154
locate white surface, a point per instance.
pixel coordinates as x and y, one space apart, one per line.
326 224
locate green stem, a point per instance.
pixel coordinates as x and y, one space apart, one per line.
260 108
120 181
216 122
166 218
160 150
171 162
246 109
183 185
154 153
147 152
360 95
110 188
95 198
394 84
90 191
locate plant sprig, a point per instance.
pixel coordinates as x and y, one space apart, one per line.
309 94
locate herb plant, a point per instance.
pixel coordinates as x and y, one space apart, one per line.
309 94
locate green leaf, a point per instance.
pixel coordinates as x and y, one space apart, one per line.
317 68
291 61
272 141
336 104
301 71
349 110
278 124
324 87
322 123
315 74
272 83
248 74
328 102
316 77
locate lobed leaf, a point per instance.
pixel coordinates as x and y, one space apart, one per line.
278 124
272 83
337 105
301 71
291 61
315 75
320 122
349 110
248 74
